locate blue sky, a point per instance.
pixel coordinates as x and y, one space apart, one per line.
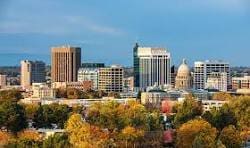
107 29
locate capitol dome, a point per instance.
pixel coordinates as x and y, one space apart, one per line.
183 70
183 79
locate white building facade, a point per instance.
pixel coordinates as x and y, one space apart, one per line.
41 90
217 81
202 70
89 74
154 67
210 104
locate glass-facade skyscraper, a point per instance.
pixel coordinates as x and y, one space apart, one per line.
151 67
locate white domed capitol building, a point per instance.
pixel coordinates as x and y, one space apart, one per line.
183 79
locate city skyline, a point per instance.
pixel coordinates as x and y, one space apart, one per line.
210 30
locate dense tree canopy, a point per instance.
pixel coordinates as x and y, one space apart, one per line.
222 96
188 110
57 141
11 95
241 108
196 133
30 110
220 118
230 137
83 134
111 124
12 116
47 115
112 115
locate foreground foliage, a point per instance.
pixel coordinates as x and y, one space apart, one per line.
113 125
196 133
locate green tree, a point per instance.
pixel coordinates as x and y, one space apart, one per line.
220 118
57 141
60 114
12 117
135 114
47 115
153 121
196 133
12 95
241 108
30 110
230 137
23 143
188 110
105 115
43 117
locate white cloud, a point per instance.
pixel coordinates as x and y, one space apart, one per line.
93 26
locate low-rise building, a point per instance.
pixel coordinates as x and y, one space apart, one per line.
42 90
130 94
217 81
175 94
210 104
49 132
73 102
128 84
153 97
241 82
84 85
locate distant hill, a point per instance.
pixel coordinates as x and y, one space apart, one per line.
13 59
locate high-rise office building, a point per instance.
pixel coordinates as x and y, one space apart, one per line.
173 73
136 66
151 67
203 69
65 62
111 79
32 72
3 81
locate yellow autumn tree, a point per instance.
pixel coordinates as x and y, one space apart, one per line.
30 135
30 110
196 133
241 108
5 137
231 137
131 135
84 135
222 96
